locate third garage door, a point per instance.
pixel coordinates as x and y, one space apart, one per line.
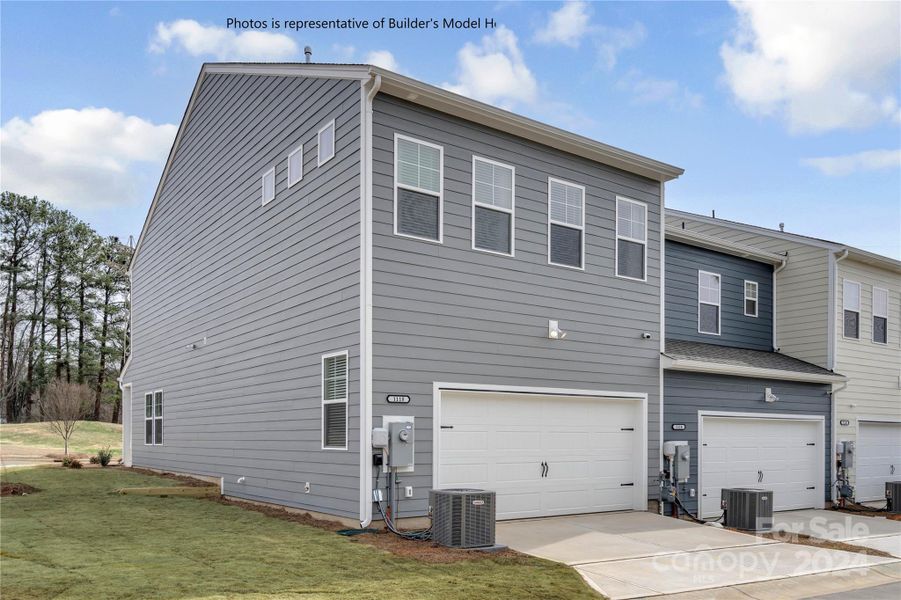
878 459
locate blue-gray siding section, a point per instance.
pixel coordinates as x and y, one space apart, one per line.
270 289
448 313
687 393
682 265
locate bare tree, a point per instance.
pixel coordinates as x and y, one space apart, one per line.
64 404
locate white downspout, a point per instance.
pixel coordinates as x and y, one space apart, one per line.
833 359
776 271
366 301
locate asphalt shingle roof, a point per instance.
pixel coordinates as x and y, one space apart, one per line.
740 357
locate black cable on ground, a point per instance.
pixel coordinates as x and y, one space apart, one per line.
420 535
693 517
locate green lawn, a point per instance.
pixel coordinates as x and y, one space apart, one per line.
89 437
76 539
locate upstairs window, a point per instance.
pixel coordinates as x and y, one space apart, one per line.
295 165
418 192
334 401
153 418
326 143
880 315
566 223
631 239
268 186
709 302
750 298
851 305
492 206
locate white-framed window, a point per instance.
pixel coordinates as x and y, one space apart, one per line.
631 239
325 142
880 315
267 186
493 204
709 285
334 401
418 189
153 418
851 309
295 165
751 291
565 224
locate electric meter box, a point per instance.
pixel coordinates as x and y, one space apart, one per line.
848 452
400 444
682 463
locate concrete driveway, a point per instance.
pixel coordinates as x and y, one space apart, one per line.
639 554
876 533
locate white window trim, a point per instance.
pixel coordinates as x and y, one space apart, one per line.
319 160
152 418
511 211
719 321
858 311
630 239
413 188
339 401
562 224
299 149
875 314
756 298
269 171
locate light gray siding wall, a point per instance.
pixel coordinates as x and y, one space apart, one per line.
682 265
269 288
448 313
687 393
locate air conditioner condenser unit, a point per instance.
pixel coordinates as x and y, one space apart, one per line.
463 518
747 508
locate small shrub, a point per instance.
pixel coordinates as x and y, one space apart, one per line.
104 456
95 460
71 463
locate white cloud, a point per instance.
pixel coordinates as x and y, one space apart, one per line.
384 59
88 158
566 25
494 71
650 90
818 66
223 44
344 53
869 160
611 41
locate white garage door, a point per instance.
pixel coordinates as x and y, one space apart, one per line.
543 455
782 455
878 459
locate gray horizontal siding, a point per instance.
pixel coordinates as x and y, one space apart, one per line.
270 288
682 265
684 394
446 312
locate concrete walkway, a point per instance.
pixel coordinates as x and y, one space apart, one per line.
876 533
639 554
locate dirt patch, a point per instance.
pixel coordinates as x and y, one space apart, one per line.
806 540
183 479
17 489
865 511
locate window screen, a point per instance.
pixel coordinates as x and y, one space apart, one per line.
709 316
295 166
851 305
492 197
631 238
326 143
418 181
630 257
880 315
492 230
268 186
566 205
148 419
334 401
417 214
708 302
566 246
750 298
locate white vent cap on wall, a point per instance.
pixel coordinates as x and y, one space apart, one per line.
554 332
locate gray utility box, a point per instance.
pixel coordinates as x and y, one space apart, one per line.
893 497
747 508
463 518
400 444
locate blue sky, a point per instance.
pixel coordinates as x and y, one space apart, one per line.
778 112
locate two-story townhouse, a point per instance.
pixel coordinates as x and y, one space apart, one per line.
752 417
838 307
334 247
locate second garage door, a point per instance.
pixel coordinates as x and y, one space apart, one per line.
543 455
782 455
878 459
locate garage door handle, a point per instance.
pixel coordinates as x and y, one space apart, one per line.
893 470
759 476
543 468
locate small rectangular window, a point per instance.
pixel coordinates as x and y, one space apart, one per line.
751 298
334 401
631 239
880 315
851 306
153 418
492 206
295 165
709 302
268 186
326 143
148 418
418 190
566 223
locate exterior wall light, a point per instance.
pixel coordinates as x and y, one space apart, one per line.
554 332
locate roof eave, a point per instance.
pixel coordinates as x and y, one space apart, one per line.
697 366
694 238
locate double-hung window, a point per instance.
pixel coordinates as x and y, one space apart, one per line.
709 285
418 188
880 315
153 418
326 143
851 306
492 206
268 186
566 223
751 290
295 165
631 239
334 401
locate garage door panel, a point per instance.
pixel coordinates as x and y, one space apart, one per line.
878 459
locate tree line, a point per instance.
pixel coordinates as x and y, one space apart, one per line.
65 309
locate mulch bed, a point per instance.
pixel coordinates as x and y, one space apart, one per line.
17 489
866 512
806 540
